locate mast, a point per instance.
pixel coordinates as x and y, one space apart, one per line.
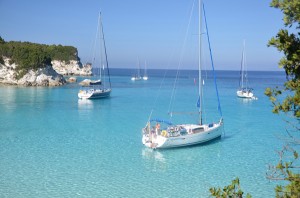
95 50
199 67
98 33
105 50
243 64
139 68
145 71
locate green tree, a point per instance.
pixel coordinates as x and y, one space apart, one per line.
287 98
33 56
289 45
231 191
1 40
1 44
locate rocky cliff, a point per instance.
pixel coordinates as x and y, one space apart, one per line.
51 75
34 64
73 67
46 76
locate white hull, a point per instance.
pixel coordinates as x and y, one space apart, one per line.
245 94
145 78
94 93
136 78
194 134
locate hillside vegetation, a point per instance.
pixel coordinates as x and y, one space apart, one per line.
33 55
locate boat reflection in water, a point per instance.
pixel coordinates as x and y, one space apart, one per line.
85 104
154 160
148 153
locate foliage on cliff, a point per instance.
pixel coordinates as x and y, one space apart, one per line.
287 41
287 99
33 56
233 190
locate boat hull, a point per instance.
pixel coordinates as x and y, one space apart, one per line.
244 94
94 93
160 141
136 78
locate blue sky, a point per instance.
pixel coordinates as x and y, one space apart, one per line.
151 30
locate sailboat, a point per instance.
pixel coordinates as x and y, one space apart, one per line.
244 91
138 75
145 77
97 88
179 135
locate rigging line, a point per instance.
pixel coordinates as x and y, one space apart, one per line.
101 40
105 53
212 64
93 46
162 83
159 90
241 71
96 39
180 60
183 112
160 86
245 64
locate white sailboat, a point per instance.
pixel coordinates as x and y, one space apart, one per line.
98 89
244 91
138 75
145 77
179 135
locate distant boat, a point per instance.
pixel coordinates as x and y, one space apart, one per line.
244 91
97 88
178 135
138 75
145 77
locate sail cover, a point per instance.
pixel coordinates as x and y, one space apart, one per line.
161 120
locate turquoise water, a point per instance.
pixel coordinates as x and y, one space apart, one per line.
54 145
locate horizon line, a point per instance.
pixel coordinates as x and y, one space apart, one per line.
196 69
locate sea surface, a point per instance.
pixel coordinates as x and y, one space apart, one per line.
53 144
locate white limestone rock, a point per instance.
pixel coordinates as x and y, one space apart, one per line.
85 82
42 77
73 67
72 80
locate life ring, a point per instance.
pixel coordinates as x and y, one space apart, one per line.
164 133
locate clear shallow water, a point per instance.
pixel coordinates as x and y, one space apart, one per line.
54 145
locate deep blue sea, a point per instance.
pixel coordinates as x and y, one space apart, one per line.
53 144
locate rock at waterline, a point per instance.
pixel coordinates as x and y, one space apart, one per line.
46 76
72 80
